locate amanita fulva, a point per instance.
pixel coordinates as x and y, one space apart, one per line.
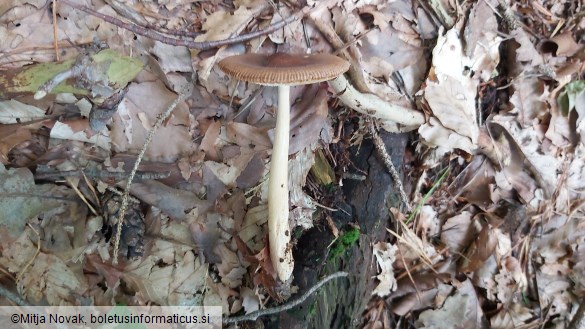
282 70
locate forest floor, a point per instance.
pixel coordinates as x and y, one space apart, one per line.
490 232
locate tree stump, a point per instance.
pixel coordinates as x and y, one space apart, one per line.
340 303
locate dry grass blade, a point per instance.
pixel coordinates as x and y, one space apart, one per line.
428 194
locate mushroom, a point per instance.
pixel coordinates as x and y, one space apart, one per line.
282 70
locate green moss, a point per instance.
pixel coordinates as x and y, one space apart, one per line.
344 243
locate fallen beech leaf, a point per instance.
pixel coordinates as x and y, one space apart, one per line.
479 251
462 310
48 277
13 111
65 131
21 200
10 136
170 275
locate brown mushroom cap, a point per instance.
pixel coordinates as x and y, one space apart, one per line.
284 69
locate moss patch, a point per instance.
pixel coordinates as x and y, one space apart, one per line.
344 243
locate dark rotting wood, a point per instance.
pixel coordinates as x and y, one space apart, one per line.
341 302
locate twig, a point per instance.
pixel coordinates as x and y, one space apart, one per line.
185 92
381 148
204 45
132 15
48 86
121 194
102 174
16 299
287 306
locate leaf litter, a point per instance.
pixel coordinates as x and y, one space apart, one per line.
498 244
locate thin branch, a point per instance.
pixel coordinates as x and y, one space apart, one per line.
381 148
101 174
132 15
50 84
287 306
204 45
183 94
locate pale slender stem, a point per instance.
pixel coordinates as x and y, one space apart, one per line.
278 229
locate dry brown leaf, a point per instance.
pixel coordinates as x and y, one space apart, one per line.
151 98
48 276
106 271
225 173
13 111
247 135
301 204
428 224
172 58
218 26
391 47
21 200
482 39
13 10
170 275
529 100
526 54
511 282
515 316
385 254
419 283
253 172
208 144
206 237
250 301
75 131
452 87
251 232
308 122
528 167
231 268
480 250
423 299
10 136
462 310
451 96
458 231
173 202
566 45
476 183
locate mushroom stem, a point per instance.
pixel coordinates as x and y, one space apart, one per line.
375 106
278 229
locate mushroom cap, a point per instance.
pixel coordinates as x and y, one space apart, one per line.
284 69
